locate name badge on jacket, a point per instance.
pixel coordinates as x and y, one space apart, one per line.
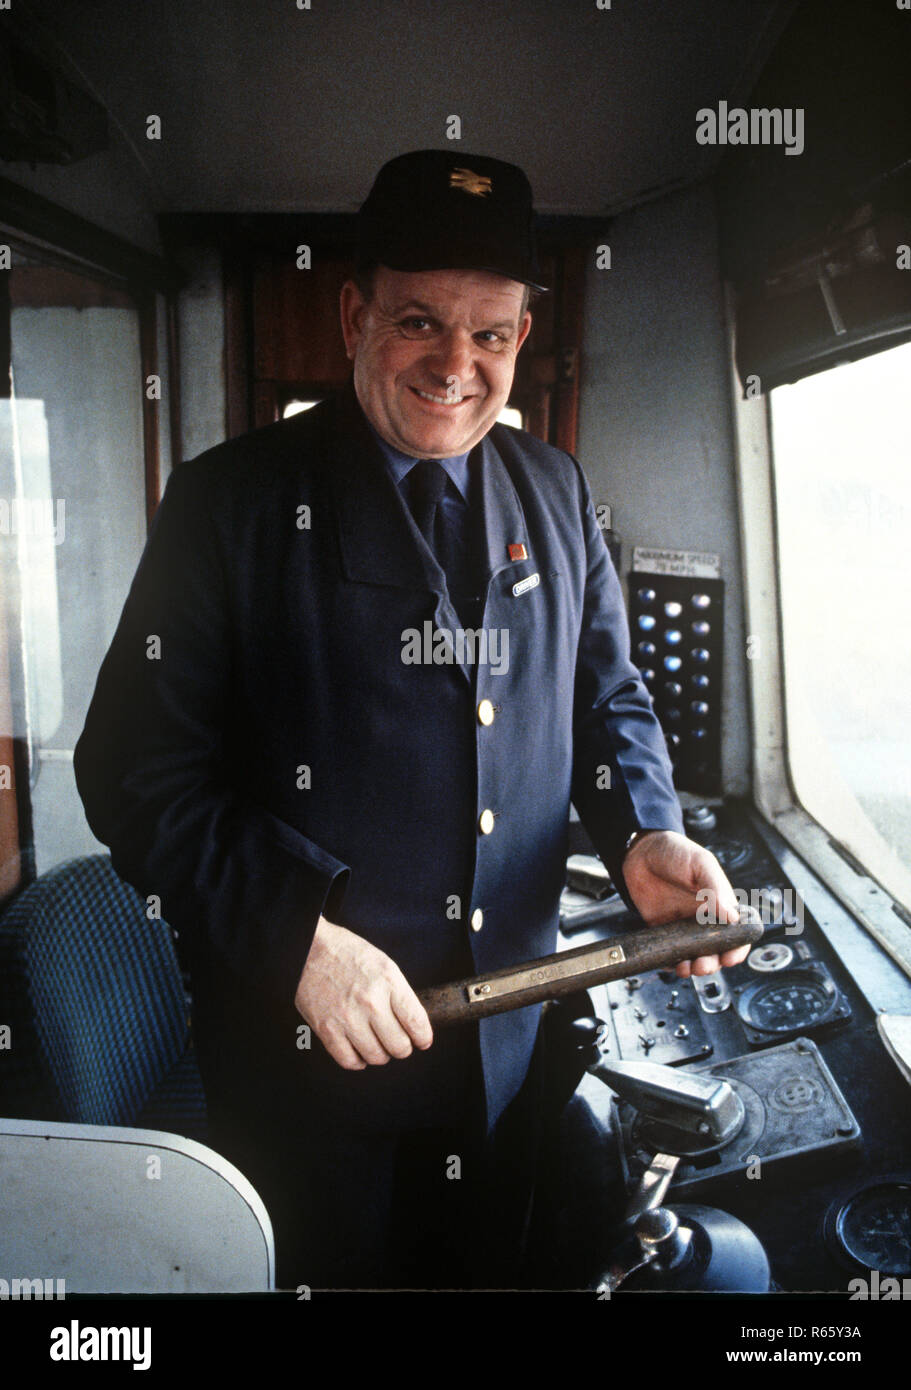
524 585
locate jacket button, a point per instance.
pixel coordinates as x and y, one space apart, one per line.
477 919
485 823
485 713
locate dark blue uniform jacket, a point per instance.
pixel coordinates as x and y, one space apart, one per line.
258 751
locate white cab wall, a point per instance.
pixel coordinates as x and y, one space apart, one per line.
655 431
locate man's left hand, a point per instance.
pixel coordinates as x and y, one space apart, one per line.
664 873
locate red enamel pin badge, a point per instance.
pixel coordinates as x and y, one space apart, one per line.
517 551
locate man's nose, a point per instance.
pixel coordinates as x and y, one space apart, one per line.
454 357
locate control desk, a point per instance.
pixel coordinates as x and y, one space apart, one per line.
820 1165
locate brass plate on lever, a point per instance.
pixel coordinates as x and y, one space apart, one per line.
530 977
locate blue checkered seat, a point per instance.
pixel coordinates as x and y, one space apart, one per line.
93 999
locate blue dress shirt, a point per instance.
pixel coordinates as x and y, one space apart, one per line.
400 465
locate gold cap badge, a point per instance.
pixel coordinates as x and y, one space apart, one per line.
470 182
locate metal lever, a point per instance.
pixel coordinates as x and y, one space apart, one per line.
654 1184
706 1107
650 1232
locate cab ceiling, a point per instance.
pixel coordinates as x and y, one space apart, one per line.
267 107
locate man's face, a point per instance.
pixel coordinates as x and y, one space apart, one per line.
434 353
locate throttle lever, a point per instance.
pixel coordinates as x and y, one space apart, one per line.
703 1107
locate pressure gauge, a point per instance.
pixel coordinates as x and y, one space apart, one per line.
786 1001
872 1228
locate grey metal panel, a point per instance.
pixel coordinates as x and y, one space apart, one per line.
137 1211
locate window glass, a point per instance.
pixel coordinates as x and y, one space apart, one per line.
842 451
73 517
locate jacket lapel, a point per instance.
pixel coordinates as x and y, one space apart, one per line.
379 541
503 517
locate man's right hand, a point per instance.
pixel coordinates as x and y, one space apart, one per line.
358 1002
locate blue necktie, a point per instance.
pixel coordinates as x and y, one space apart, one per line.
427 482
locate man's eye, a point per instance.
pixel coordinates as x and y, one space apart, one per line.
489 338
415 325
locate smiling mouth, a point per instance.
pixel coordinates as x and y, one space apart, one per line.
439 400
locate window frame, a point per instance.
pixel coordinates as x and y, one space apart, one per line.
40 229
868 901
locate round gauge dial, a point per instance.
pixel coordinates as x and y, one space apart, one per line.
790 1000
790 1003
874 1228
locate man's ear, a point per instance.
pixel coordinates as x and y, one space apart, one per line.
524 328
352 306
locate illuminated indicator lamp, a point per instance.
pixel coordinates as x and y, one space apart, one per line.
673 740
646 649
673 663
700 601
700 708
673 637
700 654
648 675
700 680
699 732
673 610
646 622
646 595
702 629
672 689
